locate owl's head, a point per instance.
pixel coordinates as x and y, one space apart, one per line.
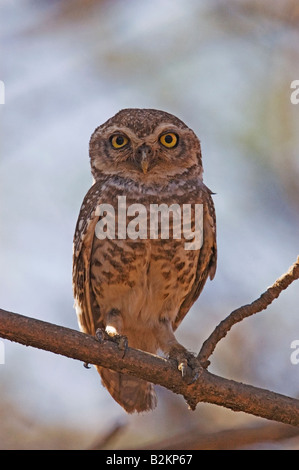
145 145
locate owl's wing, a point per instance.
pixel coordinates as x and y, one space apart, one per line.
207 260
83 241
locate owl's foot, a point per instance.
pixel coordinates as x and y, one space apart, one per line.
110 334
102 335
121 341
188 364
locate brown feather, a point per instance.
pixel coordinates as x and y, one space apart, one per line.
141 288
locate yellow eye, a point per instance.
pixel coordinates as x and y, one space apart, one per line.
169 140
118 141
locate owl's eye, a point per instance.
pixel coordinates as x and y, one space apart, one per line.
169 140
118 141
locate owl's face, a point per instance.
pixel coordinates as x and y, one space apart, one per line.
144 145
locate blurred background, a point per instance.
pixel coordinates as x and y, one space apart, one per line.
225 68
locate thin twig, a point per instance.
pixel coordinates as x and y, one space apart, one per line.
109 437
239 314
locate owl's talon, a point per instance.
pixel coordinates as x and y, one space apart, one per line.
183 367
188 365
120 340
86 365
101 335
122 343
190 373
196 373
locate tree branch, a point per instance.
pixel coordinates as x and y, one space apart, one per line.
207 388
239 314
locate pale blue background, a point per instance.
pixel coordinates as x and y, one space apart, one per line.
223 69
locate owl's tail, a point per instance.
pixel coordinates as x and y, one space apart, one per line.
131 393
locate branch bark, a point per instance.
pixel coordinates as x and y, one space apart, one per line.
208 387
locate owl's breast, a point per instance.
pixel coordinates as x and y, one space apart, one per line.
145 278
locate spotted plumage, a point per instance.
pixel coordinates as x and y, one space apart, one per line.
141 287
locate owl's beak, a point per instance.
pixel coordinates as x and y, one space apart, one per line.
143 155
144 165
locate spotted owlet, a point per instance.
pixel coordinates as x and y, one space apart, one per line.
134 276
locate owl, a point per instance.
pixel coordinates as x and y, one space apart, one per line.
129 281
